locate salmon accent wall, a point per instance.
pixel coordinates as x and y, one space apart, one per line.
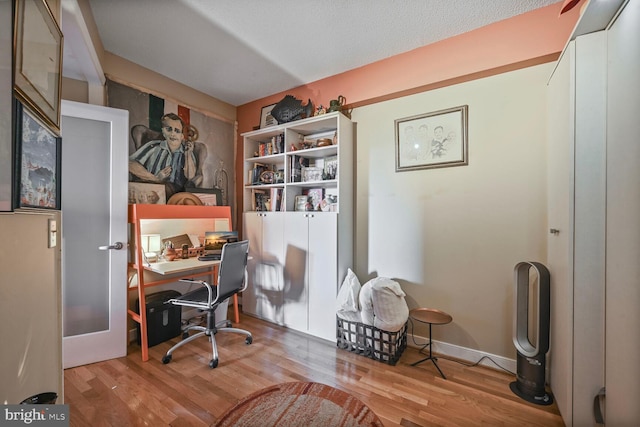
524 40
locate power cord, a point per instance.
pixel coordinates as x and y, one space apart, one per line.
472 365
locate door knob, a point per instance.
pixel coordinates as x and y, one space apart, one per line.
116 245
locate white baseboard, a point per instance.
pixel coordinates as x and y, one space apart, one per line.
466 354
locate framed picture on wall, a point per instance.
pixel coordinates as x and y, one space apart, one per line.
6 107
38 60
38 162
432 140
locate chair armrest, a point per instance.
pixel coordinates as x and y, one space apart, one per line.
210 299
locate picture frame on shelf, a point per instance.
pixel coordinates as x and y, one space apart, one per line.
38 60
432 140
147 193
266 119
301 203
38 162
315 195
208 196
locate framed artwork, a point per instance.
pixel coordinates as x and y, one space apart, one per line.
6 107
266 119
38 162
147 193
301 203
38 60
432 140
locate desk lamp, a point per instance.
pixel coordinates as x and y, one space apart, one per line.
150 247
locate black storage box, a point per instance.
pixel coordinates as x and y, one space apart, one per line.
164 321
371 342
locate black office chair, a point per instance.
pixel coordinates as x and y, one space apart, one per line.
232 278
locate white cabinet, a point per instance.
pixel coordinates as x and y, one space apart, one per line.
577 200
263 297
298 216
311 272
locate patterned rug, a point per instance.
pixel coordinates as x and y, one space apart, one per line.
299 404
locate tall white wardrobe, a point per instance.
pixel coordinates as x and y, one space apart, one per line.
594 218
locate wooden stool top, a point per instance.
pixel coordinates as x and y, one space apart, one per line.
430 315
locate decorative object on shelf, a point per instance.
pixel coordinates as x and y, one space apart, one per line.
320 110
330 168
169 252
311 174
184 198
221 179
336 104
38 163
266 118
324 142
38 60
290 109
301 203
432 140
267 177
315 195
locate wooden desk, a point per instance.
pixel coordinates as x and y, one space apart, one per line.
168 271
180 266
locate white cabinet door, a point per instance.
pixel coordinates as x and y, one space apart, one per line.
253 233
323 274
263 297
296 272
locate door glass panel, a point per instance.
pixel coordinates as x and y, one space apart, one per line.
85 221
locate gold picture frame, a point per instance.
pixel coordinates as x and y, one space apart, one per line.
38 60
432 140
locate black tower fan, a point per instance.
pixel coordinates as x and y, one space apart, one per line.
530 378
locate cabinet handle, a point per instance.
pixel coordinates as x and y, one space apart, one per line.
554 231
597 409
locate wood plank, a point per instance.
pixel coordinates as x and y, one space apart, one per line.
129 392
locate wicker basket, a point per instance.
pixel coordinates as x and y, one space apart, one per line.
369 341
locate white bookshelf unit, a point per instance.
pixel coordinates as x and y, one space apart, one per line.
298 217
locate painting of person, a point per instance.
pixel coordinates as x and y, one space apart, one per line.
173 160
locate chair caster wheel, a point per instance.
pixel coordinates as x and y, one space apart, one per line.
249 340
185 335
166 359
213 363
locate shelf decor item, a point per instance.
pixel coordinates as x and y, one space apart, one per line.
38 60
38 163
266 119
432 140
290 108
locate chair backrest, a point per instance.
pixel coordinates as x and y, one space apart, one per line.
233 265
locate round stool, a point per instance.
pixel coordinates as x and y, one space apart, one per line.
432 317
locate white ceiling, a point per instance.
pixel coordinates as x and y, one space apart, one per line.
242 50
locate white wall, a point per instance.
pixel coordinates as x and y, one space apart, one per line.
452 236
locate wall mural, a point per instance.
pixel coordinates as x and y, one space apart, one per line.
176 155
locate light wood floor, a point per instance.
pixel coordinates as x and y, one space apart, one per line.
186 392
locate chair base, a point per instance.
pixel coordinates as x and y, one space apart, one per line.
210 330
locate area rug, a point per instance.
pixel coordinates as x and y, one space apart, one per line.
299 404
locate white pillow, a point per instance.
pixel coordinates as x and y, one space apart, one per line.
389 306
347 300
366 303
